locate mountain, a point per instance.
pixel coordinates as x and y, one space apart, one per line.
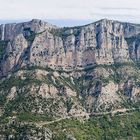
51 76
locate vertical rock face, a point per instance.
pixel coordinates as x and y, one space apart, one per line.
41 44
12 30
16 42
3 32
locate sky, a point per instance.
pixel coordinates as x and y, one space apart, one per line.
69 12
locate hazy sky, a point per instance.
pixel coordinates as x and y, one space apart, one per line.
84 10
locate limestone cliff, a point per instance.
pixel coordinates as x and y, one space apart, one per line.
41 44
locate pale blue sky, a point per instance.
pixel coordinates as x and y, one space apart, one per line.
69 12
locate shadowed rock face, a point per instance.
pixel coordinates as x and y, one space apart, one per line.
41 44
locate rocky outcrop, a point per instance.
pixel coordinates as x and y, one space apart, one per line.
37 43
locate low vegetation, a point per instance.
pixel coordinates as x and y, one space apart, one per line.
99 128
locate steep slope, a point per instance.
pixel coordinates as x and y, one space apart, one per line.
49 74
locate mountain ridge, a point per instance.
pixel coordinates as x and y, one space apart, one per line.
104 19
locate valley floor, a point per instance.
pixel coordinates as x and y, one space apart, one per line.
123 124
